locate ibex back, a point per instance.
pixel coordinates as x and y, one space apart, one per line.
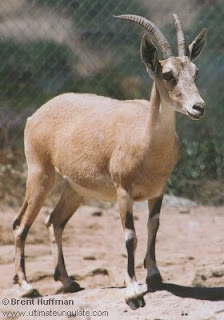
110 150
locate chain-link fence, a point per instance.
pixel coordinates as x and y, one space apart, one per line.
52 46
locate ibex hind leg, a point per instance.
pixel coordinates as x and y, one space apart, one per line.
39 183
55 222
17 220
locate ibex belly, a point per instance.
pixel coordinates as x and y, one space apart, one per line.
100 192
102 188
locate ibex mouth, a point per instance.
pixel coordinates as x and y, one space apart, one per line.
194 117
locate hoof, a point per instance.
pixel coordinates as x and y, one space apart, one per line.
154 282
73 287
136 302
134 297
26 291
32 293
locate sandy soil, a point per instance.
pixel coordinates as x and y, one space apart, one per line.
189 252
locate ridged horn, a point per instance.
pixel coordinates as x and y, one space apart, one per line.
152 29
181 44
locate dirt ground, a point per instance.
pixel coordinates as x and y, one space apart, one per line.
190 247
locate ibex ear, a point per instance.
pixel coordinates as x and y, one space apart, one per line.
197 45
149 54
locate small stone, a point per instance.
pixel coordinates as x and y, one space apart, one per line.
184 210
203 277
218 272
102 271
89 258
97 214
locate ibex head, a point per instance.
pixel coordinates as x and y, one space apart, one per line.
175 76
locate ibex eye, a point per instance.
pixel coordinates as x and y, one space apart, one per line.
168 76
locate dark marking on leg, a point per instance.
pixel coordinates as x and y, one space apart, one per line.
153 242
56 274
15 279
57 271
24 233
156 208
18 218
62 225
15 224
130 245
152 248
154 278
129 222
22 263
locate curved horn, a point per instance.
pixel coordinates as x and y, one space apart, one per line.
181 45
152 29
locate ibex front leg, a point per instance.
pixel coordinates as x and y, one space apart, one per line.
133 296
153 275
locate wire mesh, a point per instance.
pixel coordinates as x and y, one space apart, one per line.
48 47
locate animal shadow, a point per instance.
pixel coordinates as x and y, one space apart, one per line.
200 293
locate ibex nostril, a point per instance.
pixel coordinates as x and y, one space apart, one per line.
199 108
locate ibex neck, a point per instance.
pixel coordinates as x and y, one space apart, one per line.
161 113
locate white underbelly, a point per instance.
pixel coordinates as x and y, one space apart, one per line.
106 193
95 193
103 189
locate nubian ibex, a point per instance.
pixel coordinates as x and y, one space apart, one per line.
110 150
